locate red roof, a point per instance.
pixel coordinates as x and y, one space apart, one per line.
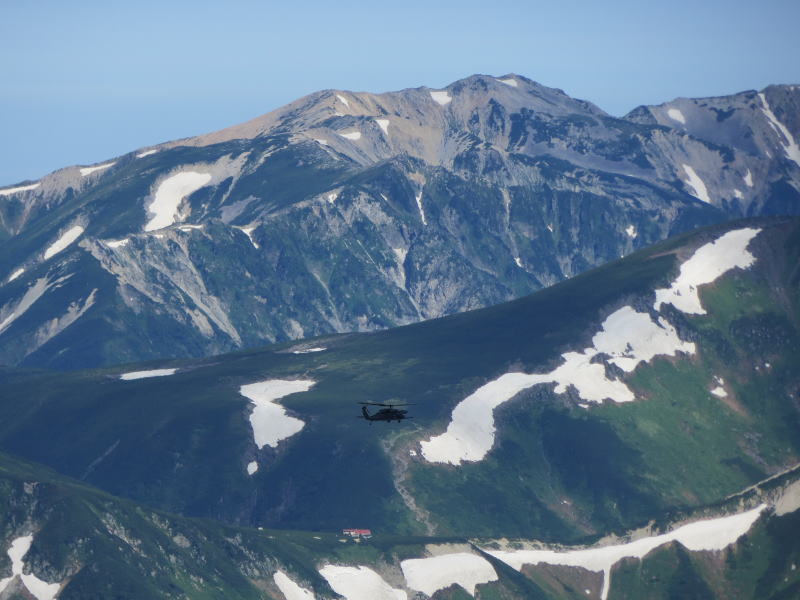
357 531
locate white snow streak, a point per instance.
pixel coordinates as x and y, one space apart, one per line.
708 534
21 188
321 142
343 100
169 195
790 147
627 336
719 391
89 170
511 82
360 583
252 467
289 588
429 575
709 262
698 187
309 350
676 115
518 260
269 420
69 236
145 374
421 210
442 97
383 124
12 311
248 231
353 135
15 274
748 178
117 243
631 231
40 590
147 153
738 193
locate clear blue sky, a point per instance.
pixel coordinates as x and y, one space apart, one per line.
84 80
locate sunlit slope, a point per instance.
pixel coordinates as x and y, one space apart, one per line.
691 408
61 539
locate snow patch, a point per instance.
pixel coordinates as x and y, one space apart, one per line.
511 82
331 197
21 188
69 236
518 260
737 194
252 467
421 210
428 575
709 262
719 391
321 142
791 148
289 588
145 374
353 135
117 243
550 228
708 534
343 100
39 589
676 115
309 350
248 231
627 337
147 153
360 583
383 124
698 187
631 231
269 420
89 170
15 274
11 311
169 195
748 178
442 97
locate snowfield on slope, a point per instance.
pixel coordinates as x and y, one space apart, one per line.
41 590
169 195
707 264
18 189
269 420
428 575
708 534
627 338
360 583
130 376
699 189
64 240
289 588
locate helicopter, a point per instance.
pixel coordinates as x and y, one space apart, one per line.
388 414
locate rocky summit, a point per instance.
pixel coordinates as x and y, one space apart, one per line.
351 211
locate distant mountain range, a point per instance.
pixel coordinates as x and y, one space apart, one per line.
350 211
632 432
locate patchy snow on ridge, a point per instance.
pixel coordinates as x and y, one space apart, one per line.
289 588
790 147
269 420
360 583
89 170
428 575
707 534
510 82
169 195
518 260
628 337
442 97
117 243
130 376
631 231
21 188
147 153
383 124
676 115
699 190
11 311
353 135
421 210
66 238
709 262
41 590
309 350
15 274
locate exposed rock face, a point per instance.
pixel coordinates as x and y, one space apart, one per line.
354 211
